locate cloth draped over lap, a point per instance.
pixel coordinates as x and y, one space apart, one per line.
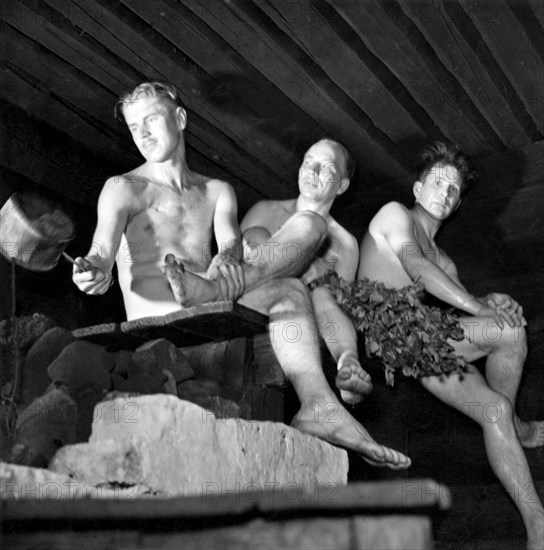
397 327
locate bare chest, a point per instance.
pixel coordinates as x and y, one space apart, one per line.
430 249
167 215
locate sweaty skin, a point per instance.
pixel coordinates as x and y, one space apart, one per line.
157 223
160 208
399 249
320 182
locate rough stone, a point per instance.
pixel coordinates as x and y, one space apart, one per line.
48 347
143 362
170 357
81 365
178 448
116 381
45 425
170 385
198 389
142 383
86 400
23 482
220 407
121 362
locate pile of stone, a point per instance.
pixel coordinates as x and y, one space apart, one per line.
64 378
160 445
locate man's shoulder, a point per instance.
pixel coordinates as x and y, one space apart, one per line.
393 208
129 183
391 212
391 218
274 206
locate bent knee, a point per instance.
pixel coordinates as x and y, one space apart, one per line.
255 235
488 335
294 295
312 222
514 338
497 410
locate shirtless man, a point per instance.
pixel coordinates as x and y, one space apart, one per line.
164 212
319 185
399 249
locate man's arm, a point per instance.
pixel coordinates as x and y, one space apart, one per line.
225 223
226 263
502 303
394 223
92 274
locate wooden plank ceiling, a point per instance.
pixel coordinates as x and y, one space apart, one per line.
261 81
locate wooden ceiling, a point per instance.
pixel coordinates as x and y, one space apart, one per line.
261 81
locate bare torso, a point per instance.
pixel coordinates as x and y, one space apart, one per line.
163 220
379 262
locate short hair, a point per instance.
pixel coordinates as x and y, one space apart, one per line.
448 154
349 161
155 88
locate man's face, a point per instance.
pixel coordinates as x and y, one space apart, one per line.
321 175
440 191
156 126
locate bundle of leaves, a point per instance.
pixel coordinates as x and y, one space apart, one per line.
405 333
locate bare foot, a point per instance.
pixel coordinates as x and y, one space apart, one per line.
329 421
531 433
189 289
352 380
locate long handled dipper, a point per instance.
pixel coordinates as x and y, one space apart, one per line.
35 232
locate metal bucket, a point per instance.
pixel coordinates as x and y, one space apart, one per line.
34 231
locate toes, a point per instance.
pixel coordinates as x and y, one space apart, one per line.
344 373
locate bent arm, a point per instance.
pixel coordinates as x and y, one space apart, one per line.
113 208
395 224
225 223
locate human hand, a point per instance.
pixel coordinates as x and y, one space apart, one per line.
222 258
318 268
232 281
89 278
507 308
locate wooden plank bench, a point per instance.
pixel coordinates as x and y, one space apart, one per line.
371 515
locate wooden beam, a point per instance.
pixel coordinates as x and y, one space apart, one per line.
459 52
233 80
58 77
392 36
60 85
254 36
538 10
156 57
21 89
326 47
50 158
515 54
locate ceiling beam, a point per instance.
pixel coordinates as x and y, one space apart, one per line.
393 37
513 51
458 45
249 30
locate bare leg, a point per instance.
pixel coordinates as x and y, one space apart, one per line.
506 350
294 340
291 249
494 413
340 338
